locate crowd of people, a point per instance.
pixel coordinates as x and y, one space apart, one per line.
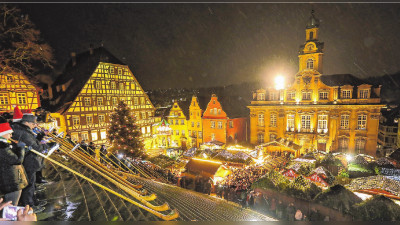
20 168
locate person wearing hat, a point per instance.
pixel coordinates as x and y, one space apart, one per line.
32 162
12 173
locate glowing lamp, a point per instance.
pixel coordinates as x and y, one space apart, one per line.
279 82
349 158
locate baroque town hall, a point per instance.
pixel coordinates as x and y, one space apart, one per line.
337 113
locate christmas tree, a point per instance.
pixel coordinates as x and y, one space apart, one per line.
124 134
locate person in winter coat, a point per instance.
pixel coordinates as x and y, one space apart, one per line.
12 173
32 162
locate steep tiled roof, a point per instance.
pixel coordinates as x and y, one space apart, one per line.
341 79
86 63
234 106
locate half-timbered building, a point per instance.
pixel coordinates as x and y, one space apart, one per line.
17 89
89 89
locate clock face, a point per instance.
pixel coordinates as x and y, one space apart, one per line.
310 47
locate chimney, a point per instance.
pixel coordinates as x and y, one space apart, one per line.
73 57
91 49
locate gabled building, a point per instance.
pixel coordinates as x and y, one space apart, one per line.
89 89
318 112
220 126
17 89
178 119
195 125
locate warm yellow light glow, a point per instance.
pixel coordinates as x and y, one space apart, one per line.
207 160
279 82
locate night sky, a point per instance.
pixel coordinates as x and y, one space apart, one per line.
176 45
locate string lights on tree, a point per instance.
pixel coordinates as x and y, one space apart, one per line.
124 133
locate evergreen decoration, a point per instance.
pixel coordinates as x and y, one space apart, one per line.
339 198
124 134
378 208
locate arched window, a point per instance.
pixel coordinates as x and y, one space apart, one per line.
310 64
343 144
261 120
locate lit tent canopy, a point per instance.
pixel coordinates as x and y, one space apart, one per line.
280 145
213 145
207 168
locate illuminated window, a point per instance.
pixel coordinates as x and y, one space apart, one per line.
261 120
135 101
231 124
323 95
306 122
121 86
176 122
142 101
261 96
101 119
114 100
100 101
211 111
323 122
85 136
190 133
212 124
362 122
219 125
86 101
89 120
198 124
364 93
272 121
9 79
98 85
346 94
182 122
291 95
290 122
94 135
219 111
306 95
360 145
260 138
344 121
113 85
21 97
200 134
192 124
149 114
75 120
194 134
213 136
143 115
4 99
103 134
310 64
183 132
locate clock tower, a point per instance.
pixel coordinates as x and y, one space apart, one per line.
310 53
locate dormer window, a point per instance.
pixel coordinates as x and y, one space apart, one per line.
364 93
346 94
291 95
306 95
323 95
310 64
261 97
273 96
